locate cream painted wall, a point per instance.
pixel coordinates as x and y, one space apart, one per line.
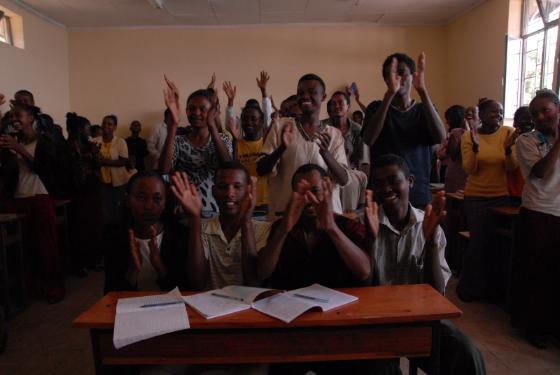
41 67
476 54
121 71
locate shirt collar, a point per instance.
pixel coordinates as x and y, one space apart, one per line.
416 216
214 228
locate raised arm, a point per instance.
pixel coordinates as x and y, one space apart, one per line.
224 154
374 124
197 265
357 98
262 82
337 170
267 162
171 98
544 167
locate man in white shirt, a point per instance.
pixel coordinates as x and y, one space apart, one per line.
157 139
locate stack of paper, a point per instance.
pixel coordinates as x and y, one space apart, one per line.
141 318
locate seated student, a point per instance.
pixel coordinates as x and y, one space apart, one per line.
28 174
292 143
201 149
398 124
151 250
223 250
522 123
536 260
408 247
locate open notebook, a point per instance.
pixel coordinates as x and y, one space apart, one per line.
285 306
140 318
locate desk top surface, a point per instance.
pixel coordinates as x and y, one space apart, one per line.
376 305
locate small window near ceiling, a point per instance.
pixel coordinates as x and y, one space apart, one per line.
6 30
531 59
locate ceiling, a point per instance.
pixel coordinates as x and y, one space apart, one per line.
139 13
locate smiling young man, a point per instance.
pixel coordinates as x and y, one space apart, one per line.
408 247
292 143
400 125
223 250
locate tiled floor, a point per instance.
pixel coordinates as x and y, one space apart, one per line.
42 341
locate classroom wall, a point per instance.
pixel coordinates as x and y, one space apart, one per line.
476 54
40 67
121 70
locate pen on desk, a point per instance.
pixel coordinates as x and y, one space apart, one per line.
311 298
162 304
226 296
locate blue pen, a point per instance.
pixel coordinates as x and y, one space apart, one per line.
161 304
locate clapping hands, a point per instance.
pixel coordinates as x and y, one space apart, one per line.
434 215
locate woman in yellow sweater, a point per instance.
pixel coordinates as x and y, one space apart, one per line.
487 156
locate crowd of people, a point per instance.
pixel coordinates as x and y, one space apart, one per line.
280 197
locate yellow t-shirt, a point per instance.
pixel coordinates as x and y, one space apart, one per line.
248 153
105 172
487 169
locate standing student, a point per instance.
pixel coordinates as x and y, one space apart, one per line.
156 139
28 171
408 247
487 154
294 142
400 125
536 261
200 151
137 146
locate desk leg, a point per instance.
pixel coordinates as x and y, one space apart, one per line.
436 348
99 368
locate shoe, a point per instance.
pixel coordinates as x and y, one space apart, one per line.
537 339
464 296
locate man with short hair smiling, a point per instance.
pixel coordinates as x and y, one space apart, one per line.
294 142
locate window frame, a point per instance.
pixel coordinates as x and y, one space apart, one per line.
7 21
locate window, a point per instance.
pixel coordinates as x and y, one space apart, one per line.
6 30
531 59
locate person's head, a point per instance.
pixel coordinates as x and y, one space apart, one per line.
313 175
406 67
145 198
135 128
24 116
199 104
252 103
340 103
522 120
252 119
96 131
455 116
391 180
78 127
168 117
358 116
230 186
311 92
24 97
287 104
491 113
545 110
108 126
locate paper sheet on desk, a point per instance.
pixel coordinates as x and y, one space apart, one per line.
134 323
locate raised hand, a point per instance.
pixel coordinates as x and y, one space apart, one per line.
230 91
248 202
371 214
171 98
262 81
434 215
297 203
187 194
288 134
212 82
510 140
394 80
134 252
418 80
324 209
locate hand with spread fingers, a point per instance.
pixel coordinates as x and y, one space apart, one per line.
262 82
297 203
394 79
510 140
418 81
230 91
324 141
371 214
171 98
324 209
288 134
434 215
186 193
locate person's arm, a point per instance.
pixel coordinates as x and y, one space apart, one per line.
171 98
453 148
230 92
224 152
353 257
547 165
434 246
267 162
374 124
249 255
509 146
197 264
469 153
262 81
433 121
336 168
357 98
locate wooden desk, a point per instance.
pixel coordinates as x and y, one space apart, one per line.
386 322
